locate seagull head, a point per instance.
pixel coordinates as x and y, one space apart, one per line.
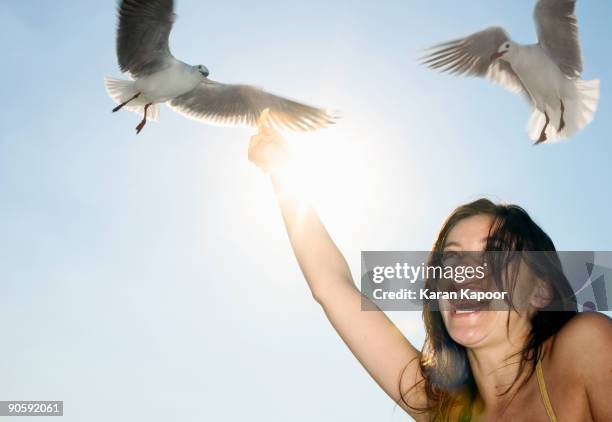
506 47
203 70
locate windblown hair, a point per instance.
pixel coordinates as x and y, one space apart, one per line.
449 384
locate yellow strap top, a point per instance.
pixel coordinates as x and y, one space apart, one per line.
544 393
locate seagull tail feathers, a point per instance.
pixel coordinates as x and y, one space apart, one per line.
580 100
580 107
121 90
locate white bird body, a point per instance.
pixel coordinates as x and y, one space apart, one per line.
544 86
175 80
569 103
547 73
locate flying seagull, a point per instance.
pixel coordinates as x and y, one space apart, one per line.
546 73
158 77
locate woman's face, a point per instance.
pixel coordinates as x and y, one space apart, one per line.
482 327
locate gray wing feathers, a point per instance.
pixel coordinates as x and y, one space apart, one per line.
470 55
142 35
557 29
241 105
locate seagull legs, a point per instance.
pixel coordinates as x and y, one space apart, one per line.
562 122
144 120
120 106
543 134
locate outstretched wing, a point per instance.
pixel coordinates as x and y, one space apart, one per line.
241 105
557 29
142 35
471 56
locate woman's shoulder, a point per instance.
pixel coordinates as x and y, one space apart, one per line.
583 343
586 327
577 367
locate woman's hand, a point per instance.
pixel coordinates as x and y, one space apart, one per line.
268 150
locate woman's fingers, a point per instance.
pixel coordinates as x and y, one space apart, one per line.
255 149
266 131
262 121
267 149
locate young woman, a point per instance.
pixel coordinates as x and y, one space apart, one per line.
537 363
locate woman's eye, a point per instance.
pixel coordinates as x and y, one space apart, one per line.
444 285
449 257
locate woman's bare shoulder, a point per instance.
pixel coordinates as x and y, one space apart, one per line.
579 367
586 327
583 344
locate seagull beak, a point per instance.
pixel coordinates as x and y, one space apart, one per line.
497 55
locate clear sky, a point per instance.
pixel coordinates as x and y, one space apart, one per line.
149 277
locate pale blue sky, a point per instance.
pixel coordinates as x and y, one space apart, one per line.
149 277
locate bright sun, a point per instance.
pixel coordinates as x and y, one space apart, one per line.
324 169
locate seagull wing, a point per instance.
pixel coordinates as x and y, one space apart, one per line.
501 73
142 35
557 29
471 56
241 105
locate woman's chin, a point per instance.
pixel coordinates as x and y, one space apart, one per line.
470 329
471 338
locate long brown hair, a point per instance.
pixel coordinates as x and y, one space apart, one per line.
449 384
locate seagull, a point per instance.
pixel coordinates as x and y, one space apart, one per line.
546 73
157 77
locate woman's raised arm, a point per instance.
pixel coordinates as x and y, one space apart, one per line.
370 335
